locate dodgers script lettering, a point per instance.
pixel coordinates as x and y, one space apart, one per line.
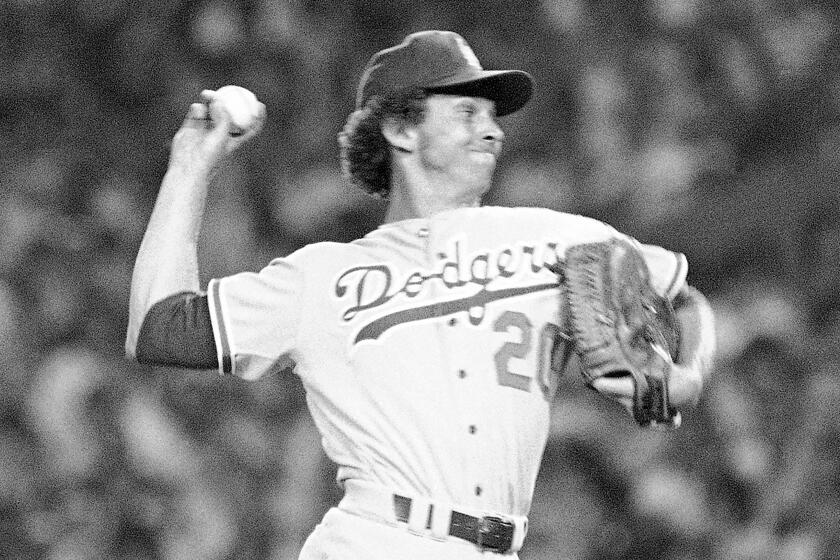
368 287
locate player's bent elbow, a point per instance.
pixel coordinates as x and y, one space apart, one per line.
697 346
697 329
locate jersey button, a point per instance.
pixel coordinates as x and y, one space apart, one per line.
462 374
453 321
473 429
478 490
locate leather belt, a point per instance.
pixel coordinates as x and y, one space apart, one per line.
488 532
436 520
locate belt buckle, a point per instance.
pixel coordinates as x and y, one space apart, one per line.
484 529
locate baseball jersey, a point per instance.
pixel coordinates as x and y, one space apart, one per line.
428 349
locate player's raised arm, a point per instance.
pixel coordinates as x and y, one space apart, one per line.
167 261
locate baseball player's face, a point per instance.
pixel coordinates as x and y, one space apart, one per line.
459 140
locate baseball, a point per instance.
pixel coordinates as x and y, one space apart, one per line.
243 107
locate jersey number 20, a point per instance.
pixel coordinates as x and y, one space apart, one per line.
550 348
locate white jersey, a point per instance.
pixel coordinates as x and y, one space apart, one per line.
425 348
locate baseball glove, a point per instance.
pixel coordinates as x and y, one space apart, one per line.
619 325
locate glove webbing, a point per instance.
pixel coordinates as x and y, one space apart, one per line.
587 316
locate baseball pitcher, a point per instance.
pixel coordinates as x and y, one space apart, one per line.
430 349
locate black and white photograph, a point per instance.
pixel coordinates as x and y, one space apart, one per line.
429 280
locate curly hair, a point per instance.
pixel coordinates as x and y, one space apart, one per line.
365 153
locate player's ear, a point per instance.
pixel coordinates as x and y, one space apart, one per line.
399 134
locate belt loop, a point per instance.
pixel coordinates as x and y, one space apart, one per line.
441 518
520 530
418 515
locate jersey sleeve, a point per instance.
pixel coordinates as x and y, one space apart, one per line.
177 332
255 318
668 269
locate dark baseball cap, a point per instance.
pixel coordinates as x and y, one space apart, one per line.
442 62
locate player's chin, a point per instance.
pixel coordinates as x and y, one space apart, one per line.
482 168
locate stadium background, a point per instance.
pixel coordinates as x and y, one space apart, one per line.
708 126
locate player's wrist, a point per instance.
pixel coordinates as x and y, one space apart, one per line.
198 162
189 173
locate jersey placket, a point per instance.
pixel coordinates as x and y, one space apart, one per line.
456 338
471 386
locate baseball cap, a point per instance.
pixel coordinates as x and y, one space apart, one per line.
442 62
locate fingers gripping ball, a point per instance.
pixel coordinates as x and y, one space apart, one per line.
244 111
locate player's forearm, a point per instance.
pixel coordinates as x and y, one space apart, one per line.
167 261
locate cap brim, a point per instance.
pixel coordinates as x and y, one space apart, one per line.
510 90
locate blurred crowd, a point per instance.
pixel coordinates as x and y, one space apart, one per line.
707 126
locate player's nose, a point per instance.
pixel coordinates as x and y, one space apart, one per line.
492 133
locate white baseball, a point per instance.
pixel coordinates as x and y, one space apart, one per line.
243 107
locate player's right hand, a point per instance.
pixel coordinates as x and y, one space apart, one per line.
204 140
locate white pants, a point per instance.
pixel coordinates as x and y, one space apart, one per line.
346 536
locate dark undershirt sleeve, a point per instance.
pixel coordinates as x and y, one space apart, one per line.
177 332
